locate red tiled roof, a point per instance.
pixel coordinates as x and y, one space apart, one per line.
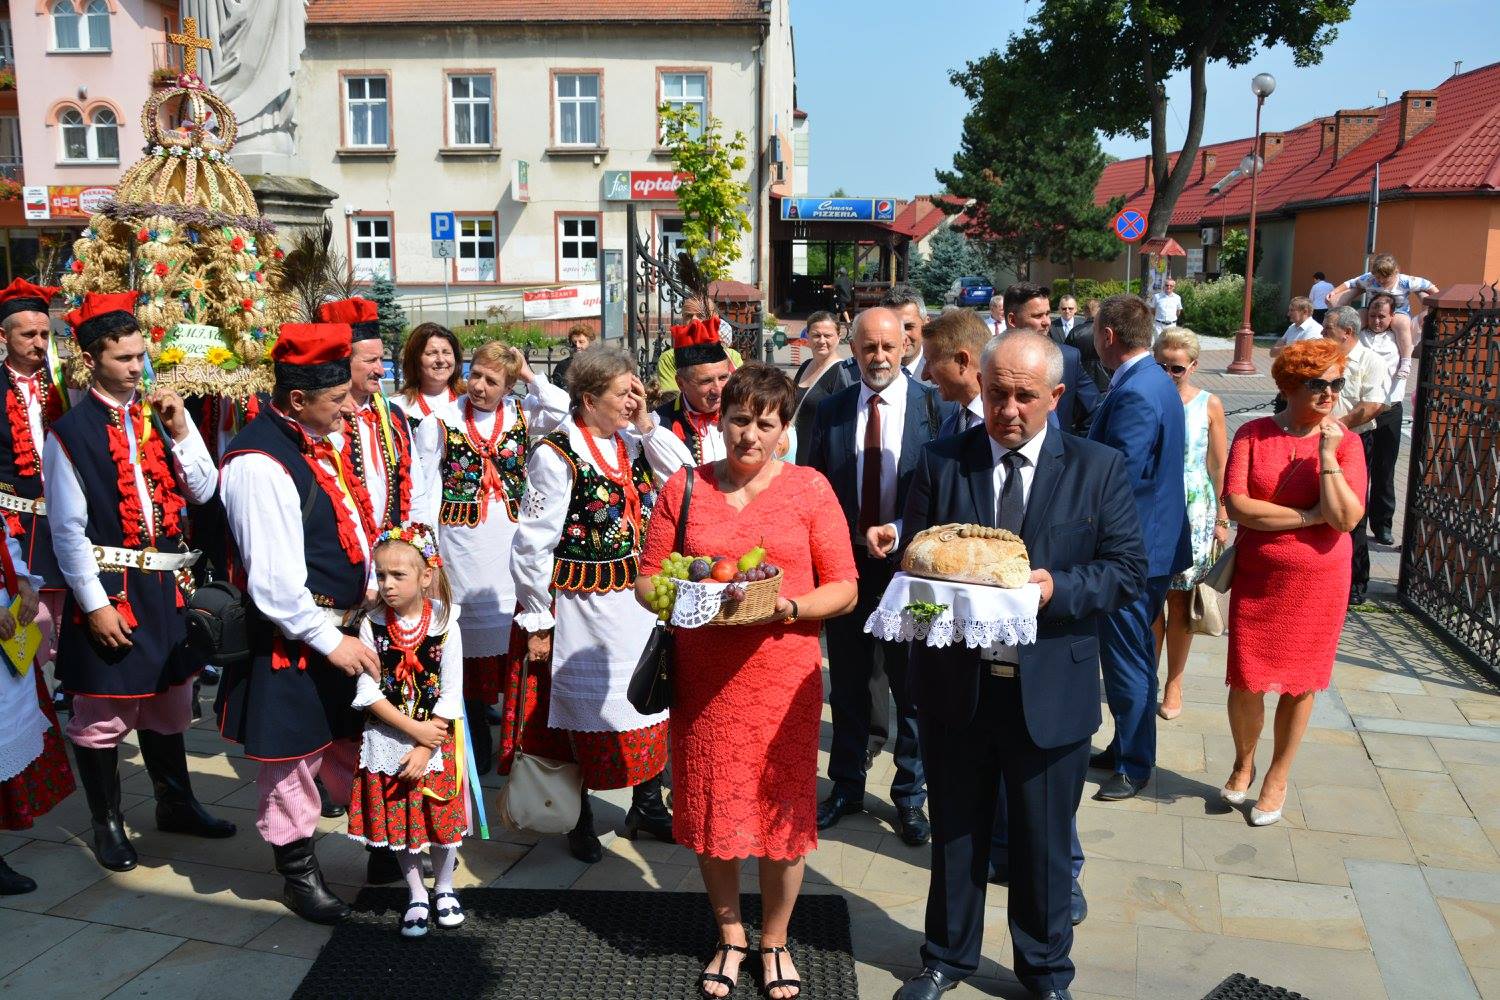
442 11
1458 153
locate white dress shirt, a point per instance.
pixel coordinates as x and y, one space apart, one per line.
68 511
1030 452
377 479
1384 346
1366 380
265 516
917 367
892 427
385 746
1168 306
973 411
1125 366
1305 330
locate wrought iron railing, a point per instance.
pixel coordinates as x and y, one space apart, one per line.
1450 546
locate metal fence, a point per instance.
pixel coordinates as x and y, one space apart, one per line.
1450 548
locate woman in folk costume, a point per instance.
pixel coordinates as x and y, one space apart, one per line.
480 453
590 489
34 774
431 373
121 471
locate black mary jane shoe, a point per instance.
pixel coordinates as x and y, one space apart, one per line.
718 977
779 982
414 922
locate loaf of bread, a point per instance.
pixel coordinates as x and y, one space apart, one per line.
969 553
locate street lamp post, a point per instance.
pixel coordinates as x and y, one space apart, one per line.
1244 340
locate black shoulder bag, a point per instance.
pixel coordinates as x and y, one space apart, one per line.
650 690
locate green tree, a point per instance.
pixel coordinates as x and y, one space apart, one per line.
951 258
1109 60
712 201
392 316
1030 164
1232 252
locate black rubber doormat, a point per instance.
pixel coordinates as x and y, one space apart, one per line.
546 944
1242 987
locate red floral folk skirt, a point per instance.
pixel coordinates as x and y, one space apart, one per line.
45 782
387 811
608 760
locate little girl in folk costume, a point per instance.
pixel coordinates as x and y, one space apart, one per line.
408 792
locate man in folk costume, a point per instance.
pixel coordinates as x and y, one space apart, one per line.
702 369
377 444
120 471
301 551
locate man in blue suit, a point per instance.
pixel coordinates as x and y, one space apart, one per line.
866 440
1027 307
1141 417
1017 718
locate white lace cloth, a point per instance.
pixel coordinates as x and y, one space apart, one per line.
979 616
697 603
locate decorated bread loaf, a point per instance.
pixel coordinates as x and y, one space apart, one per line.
969 553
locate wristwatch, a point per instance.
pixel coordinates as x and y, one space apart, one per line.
794 615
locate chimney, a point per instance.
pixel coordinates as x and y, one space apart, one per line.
1418 110
1271 144
1350 128
1208 160
1326 135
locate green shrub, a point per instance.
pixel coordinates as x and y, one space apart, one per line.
1214 308
524 336
1084 289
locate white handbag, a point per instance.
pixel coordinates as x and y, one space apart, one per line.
541 795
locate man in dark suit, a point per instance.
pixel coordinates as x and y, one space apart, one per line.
1017 717
1028 308
952 345
1141 417
1067 320
866 441
1082 340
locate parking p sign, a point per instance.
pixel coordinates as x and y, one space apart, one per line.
443 225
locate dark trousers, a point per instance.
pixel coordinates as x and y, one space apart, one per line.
1360 577
1127 653
1000 840
857 662
967 766
1385 447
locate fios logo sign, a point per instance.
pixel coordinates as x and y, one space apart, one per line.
651 185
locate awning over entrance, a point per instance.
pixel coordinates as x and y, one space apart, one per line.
1163 246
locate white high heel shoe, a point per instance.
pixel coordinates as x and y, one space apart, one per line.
1260 818
1238 798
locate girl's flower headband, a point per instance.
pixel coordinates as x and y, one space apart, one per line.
418 536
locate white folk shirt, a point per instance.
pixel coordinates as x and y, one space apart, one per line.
265 517
68 512
1305 330
377 481
1366 380
384 747
711 445
892 429
1030 452
25 387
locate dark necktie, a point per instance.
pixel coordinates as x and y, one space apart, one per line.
1010 511
869 487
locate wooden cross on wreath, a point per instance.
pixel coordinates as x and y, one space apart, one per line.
191 43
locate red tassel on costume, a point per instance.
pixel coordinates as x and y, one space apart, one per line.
20 434
127 613
13 526
279 658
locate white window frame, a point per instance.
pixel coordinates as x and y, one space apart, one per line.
481 110
96 131
472 264
368 105
364 247
578 102
579 241
681 98
92 26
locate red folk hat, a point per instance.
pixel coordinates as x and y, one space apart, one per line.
312 355
22 296
102 314
362 315
697 343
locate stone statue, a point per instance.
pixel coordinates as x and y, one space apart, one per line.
257 48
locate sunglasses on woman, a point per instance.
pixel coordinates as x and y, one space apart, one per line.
1318 386
1173 369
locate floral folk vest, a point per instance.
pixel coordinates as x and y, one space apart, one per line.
463 472
598 551
417 698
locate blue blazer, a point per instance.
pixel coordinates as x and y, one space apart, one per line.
1142 418
1080 526
833 449
1080 400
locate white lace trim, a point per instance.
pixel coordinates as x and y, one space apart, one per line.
381 752
26 746
533 503
978 615
945 630
697 603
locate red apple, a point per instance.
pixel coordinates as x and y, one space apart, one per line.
725 570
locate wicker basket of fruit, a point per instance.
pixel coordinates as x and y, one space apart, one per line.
744 590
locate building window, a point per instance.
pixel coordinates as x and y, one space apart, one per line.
577 109
578 248
92 140
104 132
469 110
86 32
476 249
669 238
368 110
7 51
373 250
687 90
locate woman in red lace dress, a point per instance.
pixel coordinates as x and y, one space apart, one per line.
1295 485
748 698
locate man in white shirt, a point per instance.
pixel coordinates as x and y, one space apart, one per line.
996 318
1384 443
1167 305
1365 396
1319 295
1301 326
908 304
951 345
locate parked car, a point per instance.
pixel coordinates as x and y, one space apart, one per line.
970 291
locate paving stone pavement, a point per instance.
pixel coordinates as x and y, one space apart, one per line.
1383 879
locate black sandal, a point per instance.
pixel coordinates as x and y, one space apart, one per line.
779 982
707 977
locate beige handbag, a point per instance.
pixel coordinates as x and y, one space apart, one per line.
541 795
1205 617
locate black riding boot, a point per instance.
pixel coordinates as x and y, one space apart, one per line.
479 732
648 813
99 773
306 894
583 842
13 883
329 808
177 811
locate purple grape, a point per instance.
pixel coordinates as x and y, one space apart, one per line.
769 569
734 592
699 570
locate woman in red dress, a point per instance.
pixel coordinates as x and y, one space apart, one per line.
748 699
1295 485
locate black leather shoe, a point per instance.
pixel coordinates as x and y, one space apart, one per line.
1356 597
13 883
306 893
928 985
1104 760
837 806
210 675
1119 787
177 810
1384 537
330 808
648 813
1062 994
1078 906
99 773
912 825
583 842
999 874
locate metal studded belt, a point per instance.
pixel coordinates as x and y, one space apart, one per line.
21 505
150 560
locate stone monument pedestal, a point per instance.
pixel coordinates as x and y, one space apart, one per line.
291 202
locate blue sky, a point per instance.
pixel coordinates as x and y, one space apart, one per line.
873 76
